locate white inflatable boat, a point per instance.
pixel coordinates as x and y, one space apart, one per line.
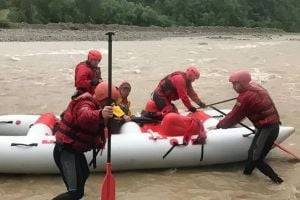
27 147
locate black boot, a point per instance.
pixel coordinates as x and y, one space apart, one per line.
69 196
249 167
277 180
64 196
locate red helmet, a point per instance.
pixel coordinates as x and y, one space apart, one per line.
94 55
101 92
192 73
151 106
243 77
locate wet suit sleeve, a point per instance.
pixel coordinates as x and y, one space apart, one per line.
237 114
181 87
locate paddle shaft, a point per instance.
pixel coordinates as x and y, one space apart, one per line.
219 102
253 132
95 152
110 34
144 120
240 123
287 151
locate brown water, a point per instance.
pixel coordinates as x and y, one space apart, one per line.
37 77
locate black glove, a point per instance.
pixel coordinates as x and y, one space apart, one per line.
94 82
201 104
193 109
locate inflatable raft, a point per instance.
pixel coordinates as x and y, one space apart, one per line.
27 142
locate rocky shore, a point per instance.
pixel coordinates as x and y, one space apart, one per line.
90 32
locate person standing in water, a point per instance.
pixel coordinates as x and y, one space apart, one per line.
81 129
255 103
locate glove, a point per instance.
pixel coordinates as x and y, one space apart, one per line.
201 104
94 82
192 109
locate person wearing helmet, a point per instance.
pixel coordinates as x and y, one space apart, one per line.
123 102
81 129
88 74
255 103
177 85
121 108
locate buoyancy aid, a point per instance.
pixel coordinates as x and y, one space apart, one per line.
174 86
262 111
70 130
124 105
166 86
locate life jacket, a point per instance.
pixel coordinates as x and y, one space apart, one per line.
263 111
124 105
72 135
166 86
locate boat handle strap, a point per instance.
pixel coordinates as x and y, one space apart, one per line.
6 122
26 145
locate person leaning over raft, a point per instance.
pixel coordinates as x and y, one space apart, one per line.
88 74
177 85
255 103
81 128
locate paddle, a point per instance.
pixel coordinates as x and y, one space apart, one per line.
287 151
253 132
144 119
109 183
219 102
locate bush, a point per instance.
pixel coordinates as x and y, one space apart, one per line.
5 24
251 13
